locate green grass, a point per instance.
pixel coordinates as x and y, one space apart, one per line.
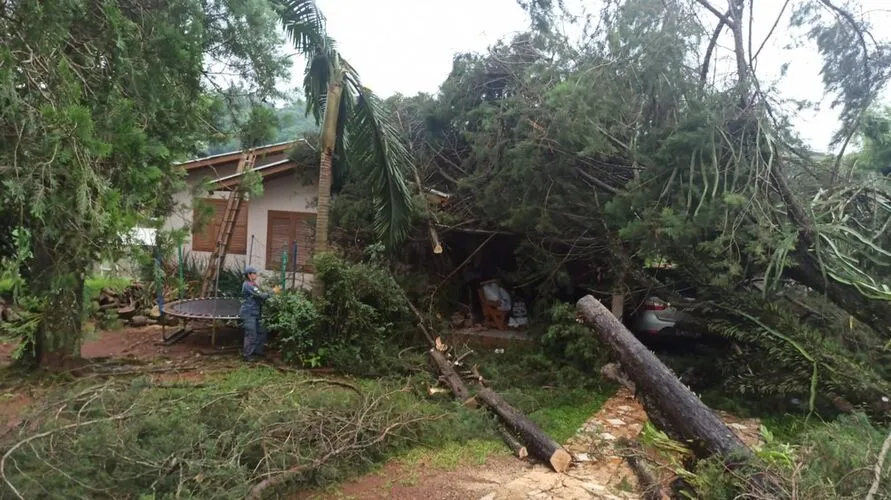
451 454
567 410
557 397
93 286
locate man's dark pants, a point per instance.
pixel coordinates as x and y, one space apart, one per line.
254 336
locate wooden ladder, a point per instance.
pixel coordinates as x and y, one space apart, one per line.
230 215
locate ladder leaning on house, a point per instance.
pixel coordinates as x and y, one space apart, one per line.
227 225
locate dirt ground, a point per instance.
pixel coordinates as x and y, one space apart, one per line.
599 470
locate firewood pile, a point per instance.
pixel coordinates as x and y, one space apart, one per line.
133 305
8 313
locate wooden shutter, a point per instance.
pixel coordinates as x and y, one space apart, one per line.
206 239
284 228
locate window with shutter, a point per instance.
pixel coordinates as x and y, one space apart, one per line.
205 240
284 229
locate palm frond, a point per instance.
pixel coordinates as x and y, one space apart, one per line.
316 78
372 143
304 24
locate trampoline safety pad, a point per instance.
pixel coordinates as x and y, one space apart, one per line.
222 308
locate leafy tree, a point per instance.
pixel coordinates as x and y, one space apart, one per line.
98 99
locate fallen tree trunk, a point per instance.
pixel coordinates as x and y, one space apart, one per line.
513 443
451 377
539 444
670 404
875 313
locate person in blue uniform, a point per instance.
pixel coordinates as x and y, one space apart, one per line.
252 298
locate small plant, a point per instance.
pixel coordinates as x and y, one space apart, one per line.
834 460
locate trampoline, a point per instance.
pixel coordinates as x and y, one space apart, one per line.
211 309
220 308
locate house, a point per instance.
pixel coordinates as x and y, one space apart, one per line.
271 224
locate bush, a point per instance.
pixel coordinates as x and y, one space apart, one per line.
357 326
294 318
364 315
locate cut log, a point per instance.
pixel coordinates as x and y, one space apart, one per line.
513 443
127 311
671 406
539 444
138 321
451 378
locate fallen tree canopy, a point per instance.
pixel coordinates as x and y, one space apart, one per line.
630 148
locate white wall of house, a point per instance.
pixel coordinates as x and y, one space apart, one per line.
287 192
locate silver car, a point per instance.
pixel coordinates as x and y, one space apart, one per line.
657 317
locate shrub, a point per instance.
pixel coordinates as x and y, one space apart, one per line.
356 326
295 320
364 316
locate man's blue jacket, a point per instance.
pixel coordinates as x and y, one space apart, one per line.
251 299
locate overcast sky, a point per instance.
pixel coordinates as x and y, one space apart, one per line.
406 46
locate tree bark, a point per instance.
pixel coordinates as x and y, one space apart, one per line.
328 143
452 379
59 281
513 443
670 404
539 444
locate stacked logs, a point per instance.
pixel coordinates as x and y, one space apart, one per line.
8 313
132 305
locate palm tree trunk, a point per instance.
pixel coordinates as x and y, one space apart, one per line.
328 143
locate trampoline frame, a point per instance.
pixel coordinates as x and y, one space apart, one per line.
184 331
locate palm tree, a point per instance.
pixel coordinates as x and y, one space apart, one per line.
355 130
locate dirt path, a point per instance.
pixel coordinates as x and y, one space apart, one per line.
599 472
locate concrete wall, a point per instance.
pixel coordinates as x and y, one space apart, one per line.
288 192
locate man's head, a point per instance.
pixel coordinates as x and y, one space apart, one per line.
250 273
